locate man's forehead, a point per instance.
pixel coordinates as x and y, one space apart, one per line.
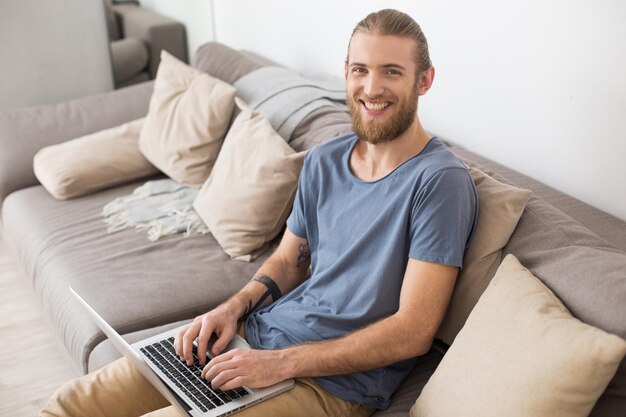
378 50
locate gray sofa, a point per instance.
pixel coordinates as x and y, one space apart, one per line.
137 37
144 287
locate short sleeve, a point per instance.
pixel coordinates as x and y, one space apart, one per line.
443 217
296 222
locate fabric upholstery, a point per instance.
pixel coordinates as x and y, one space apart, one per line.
246 200
521 353
225 63
187 121
500 207
602 224
112 24
24 131
320 126
157 31
584 271
133 283
136 79
93 162
130 57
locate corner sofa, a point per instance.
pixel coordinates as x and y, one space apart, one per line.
144 287
137 37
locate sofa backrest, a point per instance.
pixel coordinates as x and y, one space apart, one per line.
586 271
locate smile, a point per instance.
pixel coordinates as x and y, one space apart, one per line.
375 106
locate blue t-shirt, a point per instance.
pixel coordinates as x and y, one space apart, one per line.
361 235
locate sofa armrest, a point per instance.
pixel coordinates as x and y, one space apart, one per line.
157 31
24 131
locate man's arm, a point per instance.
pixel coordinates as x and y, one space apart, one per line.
424 298
287 267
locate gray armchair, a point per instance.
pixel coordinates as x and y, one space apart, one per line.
137 37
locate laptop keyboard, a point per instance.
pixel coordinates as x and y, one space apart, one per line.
187 378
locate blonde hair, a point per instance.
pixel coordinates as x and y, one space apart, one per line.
396 23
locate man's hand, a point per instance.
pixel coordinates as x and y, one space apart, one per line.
222 321
287 267
249 367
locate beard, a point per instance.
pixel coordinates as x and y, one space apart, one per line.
378 131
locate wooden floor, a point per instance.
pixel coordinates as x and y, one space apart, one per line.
31 364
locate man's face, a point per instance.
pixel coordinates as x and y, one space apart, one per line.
381 86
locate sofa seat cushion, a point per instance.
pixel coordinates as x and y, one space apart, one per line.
404 398
132 282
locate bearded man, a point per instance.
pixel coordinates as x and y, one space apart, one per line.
382 217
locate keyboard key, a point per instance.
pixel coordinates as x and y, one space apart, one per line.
188 378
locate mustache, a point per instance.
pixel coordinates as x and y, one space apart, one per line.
375 99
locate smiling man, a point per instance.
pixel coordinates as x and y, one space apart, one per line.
362 278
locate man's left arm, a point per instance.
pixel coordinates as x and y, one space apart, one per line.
424 297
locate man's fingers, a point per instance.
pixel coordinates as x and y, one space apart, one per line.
178 342
188 338
235 382
203 339
223 340
217 365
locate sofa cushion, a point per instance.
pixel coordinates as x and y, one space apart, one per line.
133 283
521 353
93 162
130 57
187 121
586 272
599 222
500 207
113 26
319 126
225 63
24 131
246 200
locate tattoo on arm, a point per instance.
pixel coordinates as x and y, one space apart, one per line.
272 289
247 311
304 255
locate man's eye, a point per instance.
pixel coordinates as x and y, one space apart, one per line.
393 72
358 69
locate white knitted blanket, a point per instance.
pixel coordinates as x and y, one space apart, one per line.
160 207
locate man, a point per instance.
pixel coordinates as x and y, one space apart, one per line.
381 217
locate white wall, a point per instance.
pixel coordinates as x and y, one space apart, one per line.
195 14
52 51
536 85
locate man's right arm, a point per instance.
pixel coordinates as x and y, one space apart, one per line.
287 267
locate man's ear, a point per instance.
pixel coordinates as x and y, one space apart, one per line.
425 81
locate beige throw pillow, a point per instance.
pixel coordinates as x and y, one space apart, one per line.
188 117
521 353
246 200
92 162
500 208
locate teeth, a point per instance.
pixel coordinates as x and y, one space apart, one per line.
375 106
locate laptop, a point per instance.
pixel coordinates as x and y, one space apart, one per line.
180 384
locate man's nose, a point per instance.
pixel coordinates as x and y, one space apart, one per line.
373 86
